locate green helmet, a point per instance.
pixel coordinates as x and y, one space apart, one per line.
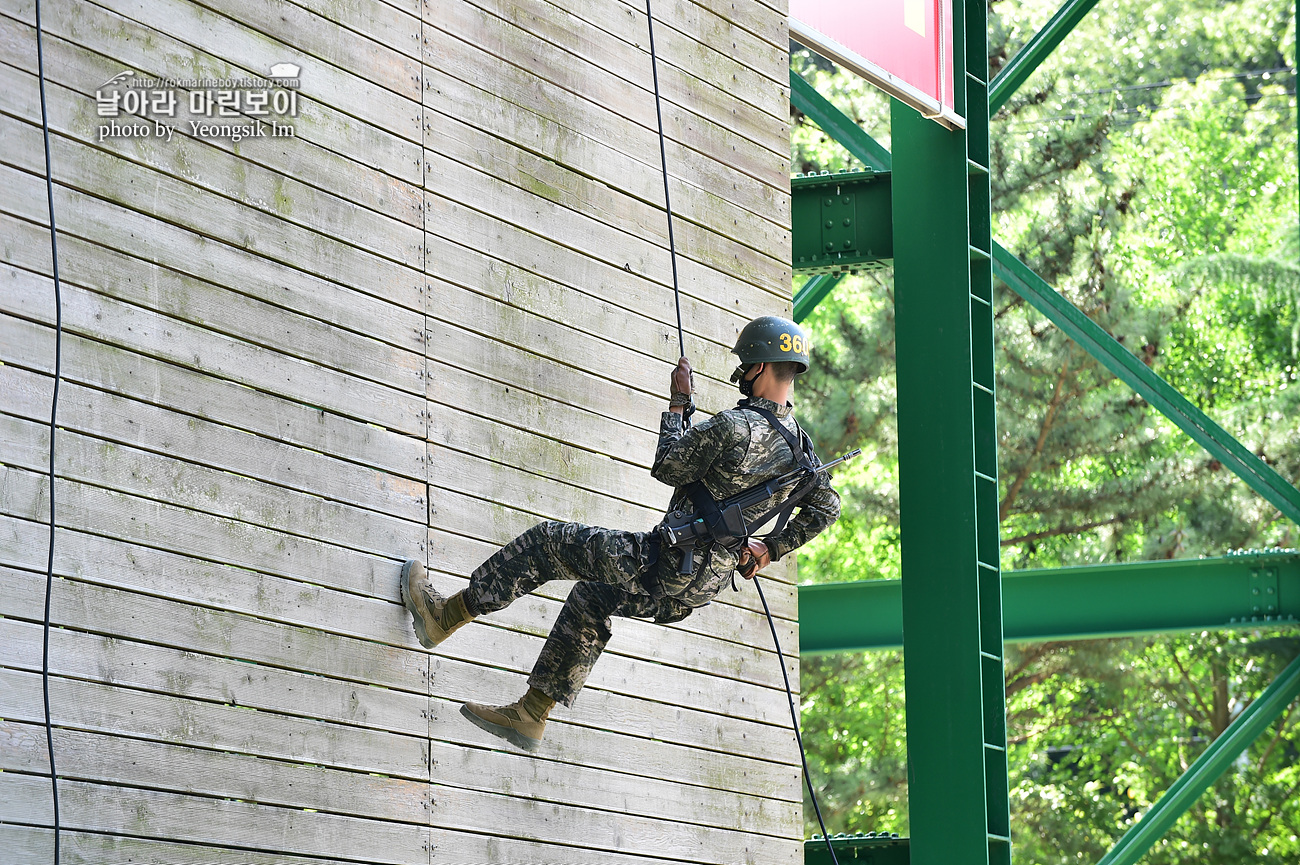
771 339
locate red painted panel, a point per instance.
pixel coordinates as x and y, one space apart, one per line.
911 39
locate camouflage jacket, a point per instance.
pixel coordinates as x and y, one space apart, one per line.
731 452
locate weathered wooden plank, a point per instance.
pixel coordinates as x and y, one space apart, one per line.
562 791
717 297
712 57
347 661
560 823
165 478
587 298
126 421
316 308
520 94
499 485
623 202
32 845
600 748
35 846
521 449
510 773
678 647
321 36
217 539
282 696
176 582
190 627
449 385
161 717
97 705
762 41
167 198
571 223
549 68
720 41
90 756
114 325
694 199
395 25
567 51
217 822
248 49
539 344
766 19
157 54
527 271
218 308
228 169
594 408
31 346
577 337
756 278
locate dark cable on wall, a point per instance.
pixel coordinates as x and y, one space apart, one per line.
54 410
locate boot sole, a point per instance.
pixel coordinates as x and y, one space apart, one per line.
510 734
416 619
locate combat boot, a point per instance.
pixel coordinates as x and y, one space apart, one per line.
520 723
434 616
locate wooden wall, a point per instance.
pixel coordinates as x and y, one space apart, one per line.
438 313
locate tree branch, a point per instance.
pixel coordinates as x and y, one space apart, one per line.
1044 428
1061 530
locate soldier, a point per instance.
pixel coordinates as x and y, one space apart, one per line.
632 574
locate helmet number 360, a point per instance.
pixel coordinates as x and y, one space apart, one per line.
792 342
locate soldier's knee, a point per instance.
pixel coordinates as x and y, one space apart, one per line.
597 599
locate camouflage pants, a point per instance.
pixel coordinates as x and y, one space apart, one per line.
607 565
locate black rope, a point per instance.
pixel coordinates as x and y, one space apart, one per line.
681 346
54 410
663 158
794 718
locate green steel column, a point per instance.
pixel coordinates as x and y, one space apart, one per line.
951 589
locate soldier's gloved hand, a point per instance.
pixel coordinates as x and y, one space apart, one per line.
754 558
681 381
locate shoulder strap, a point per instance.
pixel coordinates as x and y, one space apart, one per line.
804 456
800 446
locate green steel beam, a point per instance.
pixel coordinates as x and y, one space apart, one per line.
1215 760
1125 365
1243 590
1029 58
837 124
813 292
841 222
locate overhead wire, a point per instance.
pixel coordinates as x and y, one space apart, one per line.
54 410
681 344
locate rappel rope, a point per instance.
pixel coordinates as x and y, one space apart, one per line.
54 409
681 344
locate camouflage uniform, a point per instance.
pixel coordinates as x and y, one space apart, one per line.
729 452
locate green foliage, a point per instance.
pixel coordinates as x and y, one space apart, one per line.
1148 170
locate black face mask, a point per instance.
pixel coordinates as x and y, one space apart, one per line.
746 386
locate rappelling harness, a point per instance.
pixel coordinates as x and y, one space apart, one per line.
701 522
